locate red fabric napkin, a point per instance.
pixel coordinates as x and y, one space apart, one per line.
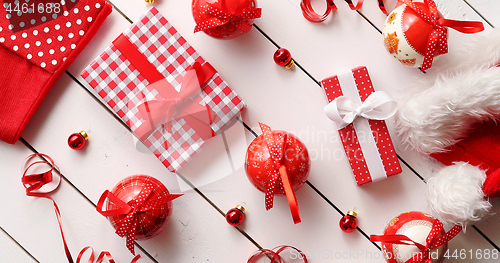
38 41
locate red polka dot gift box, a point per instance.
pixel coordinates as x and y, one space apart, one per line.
171 98
359 113
38 41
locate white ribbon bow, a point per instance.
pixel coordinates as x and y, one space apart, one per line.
378 106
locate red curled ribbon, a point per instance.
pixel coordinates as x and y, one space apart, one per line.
34 184
225 15
276 258
381 5
433 241
128 225
170 105
276 146
312 16
438 42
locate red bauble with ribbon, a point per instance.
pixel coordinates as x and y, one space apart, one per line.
138 207
415 33
224 19
415 237
278 163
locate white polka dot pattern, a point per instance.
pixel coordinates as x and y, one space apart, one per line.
438 41
350 138
221 17
274 149
38 32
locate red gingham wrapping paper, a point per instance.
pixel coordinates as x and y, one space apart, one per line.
350 138
123 88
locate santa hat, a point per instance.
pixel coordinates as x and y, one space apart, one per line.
454 120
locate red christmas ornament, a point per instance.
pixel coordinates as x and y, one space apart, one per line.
235 215
151 222
258 162
415 236
277 163
76 141
348 222
224 19
283 58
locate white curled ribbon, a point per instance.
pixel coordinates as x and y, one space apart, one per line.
378 106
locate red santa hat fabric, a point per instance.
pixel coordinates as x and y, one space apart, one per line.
38 41
455 120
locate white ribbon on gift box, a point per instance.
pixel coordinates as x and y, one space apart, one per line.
346 109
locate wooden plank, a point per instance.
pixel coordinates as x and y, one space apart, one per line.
12 251
32 222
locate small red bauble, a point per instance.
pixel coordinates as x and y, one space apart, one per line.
348 223
283 58
151 222
228 30
258 162
76 141
235 215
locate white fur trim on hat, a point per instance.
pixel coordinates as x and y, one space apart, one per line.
438 117
455 194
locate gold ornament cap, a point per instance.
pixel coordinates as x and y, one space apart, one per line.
241 208
352 213
290 64
85 135
150 1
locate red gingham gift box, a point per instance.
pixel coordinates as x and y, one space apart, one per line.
123 86
370 151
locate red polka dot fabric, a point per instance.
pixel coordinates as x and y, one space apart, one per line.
350 138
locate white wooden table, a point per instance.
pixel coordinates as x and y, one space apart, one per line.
284 99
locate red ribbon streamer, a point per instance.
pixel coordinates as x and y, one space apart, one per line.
276 146
276 258
312 16
433 241
381 5
224 15
34 182
173 105
438 42
128 225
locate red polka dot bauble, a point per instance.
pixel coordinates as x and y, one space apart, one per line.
229 29
259 164
416 226
151 222
406 35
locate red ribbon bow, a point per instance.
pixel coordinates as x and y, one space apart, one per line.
434 240
224 15
312 16
162 111
438 42
176 105
128 225
276 146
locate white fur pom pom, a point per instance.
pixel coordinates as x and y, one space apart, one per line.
455 194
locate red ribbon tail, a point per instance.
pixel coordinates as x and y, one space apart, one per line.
124 208
467 27
290 195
